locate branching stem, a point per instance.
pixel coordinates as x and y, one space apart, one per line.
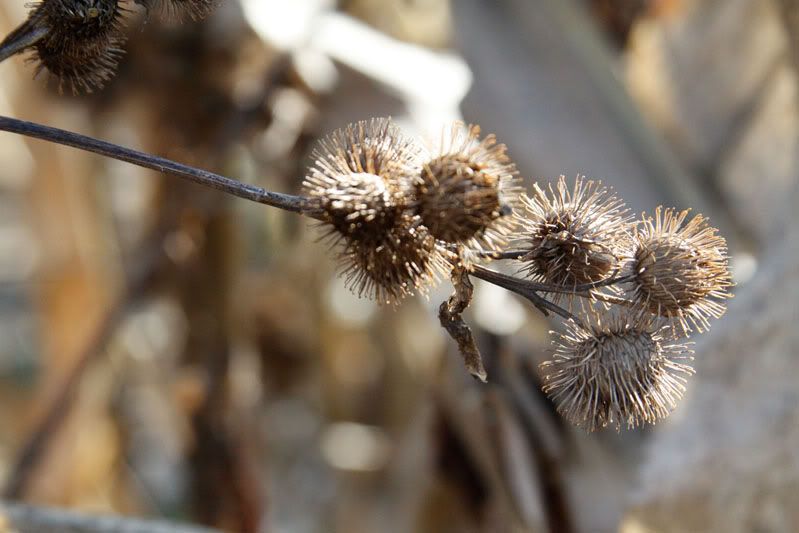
577 290
296 204
522 288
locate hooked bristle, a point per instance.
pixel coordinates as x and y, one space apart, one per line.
76 22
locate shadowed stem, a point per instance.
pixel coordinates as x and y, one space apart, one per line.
287 202
20 39
577 290
530 290
522 288
149 265
613 279
510 254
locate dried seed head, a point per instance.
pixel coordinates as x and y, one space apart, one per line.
573 237
361 178
180 9
465 194
74 22
391 266
80 73
358 204
82 44
622 373
681 270
361 187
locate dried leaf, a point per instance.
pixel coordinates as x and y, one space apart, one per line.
449 314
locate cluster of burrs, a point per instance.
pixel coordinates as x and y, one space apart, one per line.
630 290
79 43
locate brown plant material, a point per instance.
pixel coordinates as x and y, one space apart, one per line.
180 9
22 518
450 315
78 42
574 236
79 73
75 20
618 17
466 193
681 271
360 188
623 372
394 264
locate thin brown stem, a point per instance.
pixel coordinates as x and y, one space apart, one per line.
522 288
578 290
583 289
38 442
612 280
509 254
287 202
21 39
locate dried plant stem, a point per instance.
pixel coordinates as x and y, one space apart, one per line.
580 289
522 288
287 202
510 254
530 289
21 39
611 280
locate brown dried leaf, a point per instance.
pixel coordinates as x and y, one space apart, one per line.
449 314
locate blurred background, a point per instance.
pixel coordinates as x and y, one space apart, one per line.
166 351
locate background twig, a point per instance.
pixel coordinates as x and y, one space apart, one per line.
21 518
